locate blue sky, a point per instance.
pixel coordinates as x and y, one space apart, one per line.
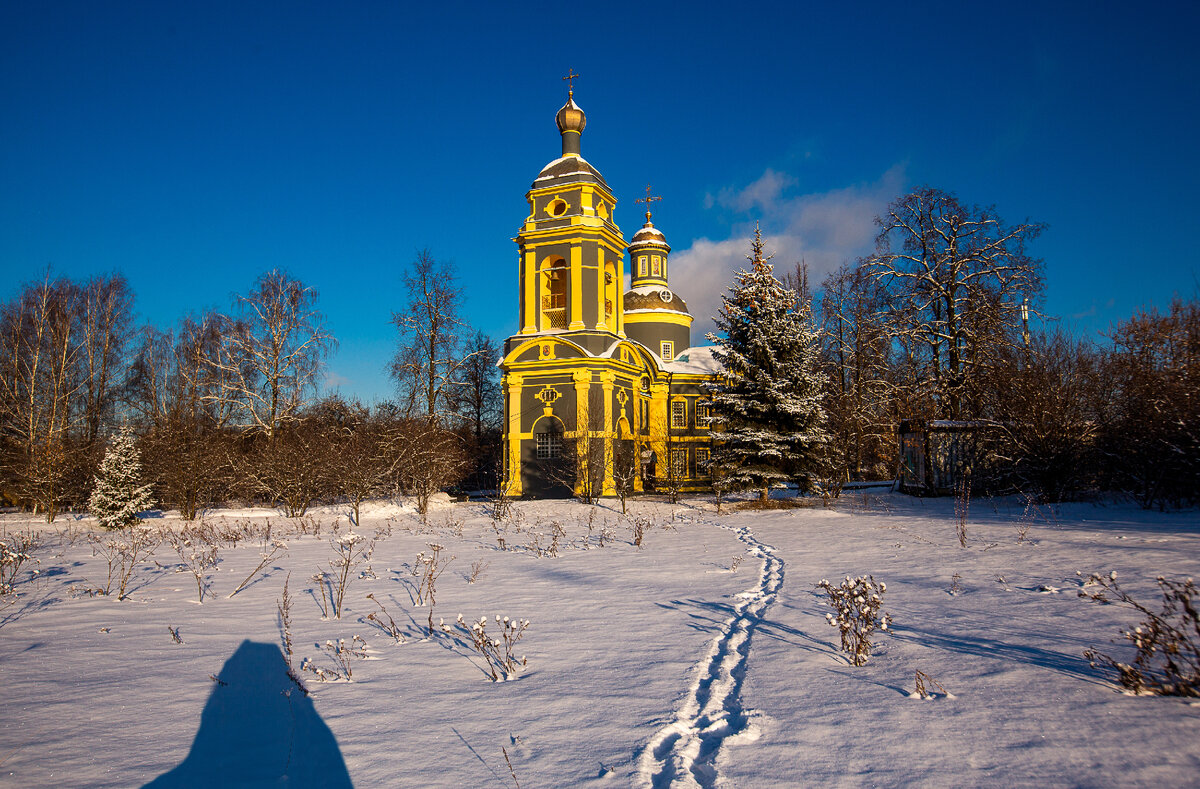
193 146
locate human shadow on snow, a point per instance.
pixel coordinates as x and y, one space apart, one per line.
259 728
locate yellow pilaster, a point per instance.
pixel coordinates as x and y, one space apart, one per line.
529 318
601 291
607 379
583 385
659 426
620 306
514 381
576 288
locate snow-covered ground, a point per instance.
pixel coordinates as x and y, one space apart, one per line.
701 658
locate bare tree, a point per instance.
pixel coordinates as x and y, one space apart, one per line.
177 387
273 354
290 469
1046 399
359 458
106 328
427 458
1151 417
39 383
477 398
956 279
429 364
856 356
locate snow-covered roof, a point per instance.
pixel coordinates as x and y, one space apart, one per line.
568 166
696 361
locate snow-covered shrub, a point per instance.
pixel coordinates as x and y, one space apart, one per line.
16 550
122 553
341 653
428 567
350 550
638 528
1167 661
858 603
497 652
198 553
118 497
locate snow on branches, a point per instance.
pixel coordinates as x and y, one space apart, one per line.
858 602
118 498
767 406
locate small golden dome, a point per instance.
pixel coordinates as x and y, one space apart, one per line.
570 117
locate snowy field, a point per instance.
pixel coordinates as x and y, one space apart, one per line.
701 657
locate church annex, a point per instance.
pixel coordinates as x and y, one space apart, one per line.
602 388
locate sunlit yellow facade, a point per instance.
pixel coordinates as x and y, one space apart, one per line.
595 397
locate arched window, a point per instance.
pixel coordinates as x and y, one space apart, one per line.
610 295
554 294
548 438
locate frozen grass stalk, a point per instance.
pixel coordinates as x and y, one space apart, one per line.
390 627
277 547
962 505
198 555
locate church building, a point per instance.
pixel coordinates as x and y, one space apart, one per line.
602 389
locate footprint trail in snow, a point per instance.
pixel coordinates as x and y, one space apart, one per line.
684 752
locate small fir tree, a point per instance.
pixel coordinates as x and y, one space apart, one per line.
770 426
118 498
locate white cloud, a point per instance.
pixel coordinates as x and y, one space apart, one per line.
763 193
334 381
822 229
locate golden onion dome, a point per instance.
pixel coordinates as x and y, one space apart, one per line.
570 117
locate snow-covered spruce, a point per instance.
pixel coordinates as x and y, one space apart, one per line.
118 496
767 405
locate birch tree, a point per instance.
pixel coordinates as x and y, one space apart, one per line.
106 328
272 355
429 363
39 382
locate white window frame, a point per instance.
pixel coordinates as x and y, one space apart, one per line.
679 463
679 414
549 445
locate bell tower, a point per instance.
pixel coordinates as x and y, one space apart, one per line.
654 315
571 251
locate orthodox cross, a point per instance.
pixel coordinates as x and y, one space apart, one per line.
647 200
570 79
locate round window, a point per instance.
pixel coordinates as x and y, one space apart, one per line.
558 207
